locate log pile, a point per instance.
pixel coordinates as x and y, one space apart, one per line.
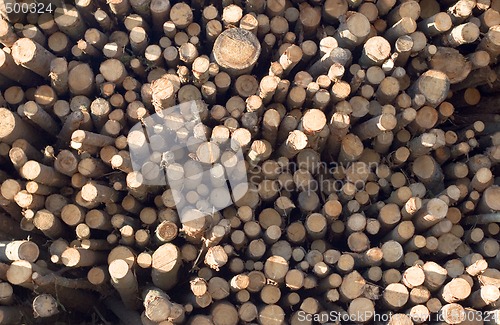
351 151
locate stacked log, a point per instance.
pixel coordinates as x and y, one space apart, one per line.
267 161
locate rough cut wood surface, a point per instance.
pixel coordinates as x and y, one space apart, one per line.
244 162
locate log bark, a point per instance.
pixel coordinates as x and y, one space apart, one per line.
32 56
7 34
11 70
124 281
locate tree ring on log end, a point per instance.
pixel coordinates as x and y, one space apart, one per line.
236 50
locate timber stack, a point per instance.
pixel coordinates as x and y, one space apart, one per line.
241 162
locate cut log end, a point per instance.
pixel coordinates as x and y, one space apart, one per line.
24 50
45 305
236 50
